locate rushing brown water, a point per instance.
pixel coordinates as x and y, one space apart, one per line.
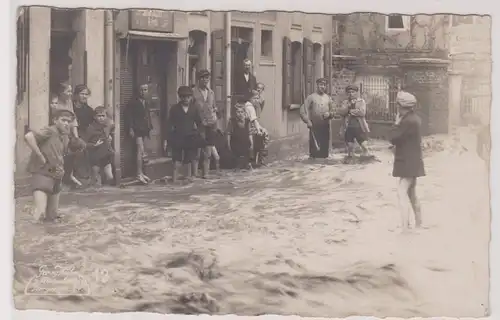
311 239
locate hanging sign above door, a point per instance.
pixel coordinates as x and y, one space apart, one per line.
151 20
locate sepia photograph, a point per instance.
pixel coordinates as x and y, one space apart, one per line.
252 163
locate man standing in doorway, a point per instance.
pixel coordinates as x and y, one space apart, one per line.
245 82
138 123
316 112
204 101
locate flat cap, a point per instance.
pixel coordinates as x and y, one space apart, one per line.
184 91
352 87
321 80
203 73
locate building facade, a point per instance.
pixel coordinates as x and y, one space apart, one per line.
385 53
164 49
53 46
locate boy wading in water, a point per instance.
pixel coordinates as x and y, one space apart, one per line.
408 164
204 100
49 145
183 121
139 125
100 152
354 127
239 135
316 112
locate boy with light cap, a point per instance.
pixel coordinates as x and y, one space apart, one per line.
408 163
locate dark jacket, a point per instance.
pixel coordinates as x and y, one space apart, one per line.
407 139
182 127
84 116
138 116
242 86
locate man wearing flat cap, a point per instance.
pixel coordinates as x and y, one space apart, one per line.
316 112
183 120
204 101
408 164
354 125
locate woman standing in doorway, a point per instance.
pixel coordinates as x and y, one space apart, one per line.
84 116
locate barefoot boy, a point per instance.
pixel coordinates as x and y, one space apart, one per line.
100 152
46 164
408 164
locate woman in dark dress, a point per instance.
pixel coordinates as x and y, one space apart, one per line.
84 117
408 163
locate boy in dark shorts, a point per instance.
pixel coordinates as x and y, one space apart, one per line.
240 137
183 121
354 127
49 145
98 137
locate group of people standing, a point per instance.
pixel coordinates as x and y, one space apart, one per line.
193 128
78 142
319 108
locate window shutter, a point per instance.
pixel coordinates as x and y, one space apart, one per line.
287 72
308 66
327 58
127 162
218 72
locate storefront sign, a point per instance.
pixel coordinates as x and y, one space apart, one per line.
426 77
152 20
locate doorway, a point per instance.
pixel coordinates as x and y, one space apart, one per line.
241 49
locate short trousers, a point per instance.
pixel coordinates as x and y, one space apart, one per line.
46 184
140 133
210 135
101 161
355 133
184 155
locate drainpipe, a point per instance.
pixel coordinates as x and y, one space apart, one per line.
227 29
109 41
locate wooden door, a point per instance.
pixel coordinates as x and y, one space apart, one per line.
219 74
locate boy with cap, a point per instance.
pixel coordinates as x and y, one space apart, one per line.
100 152
240 135
316 112
49 145
204 100
354 126
408 164
183 122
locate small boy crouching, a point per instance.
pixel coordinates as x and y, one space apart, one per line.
240 137
49 145
98 137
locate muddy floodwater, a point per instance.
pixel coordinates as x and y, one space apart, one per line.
310 239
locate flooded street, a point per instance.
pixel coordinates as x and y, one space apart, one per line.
310 239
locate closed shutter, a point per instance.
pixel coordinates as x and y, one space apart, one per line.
327 58
287 72
308 66
219 74
127 159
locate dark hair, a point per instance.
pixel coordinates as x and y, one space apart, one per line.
99 110
53 96
79 88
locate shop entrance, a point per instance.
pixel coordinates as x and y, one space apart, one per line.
146 62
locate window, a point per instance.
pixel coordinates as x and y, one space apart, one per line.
266 43
397 22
